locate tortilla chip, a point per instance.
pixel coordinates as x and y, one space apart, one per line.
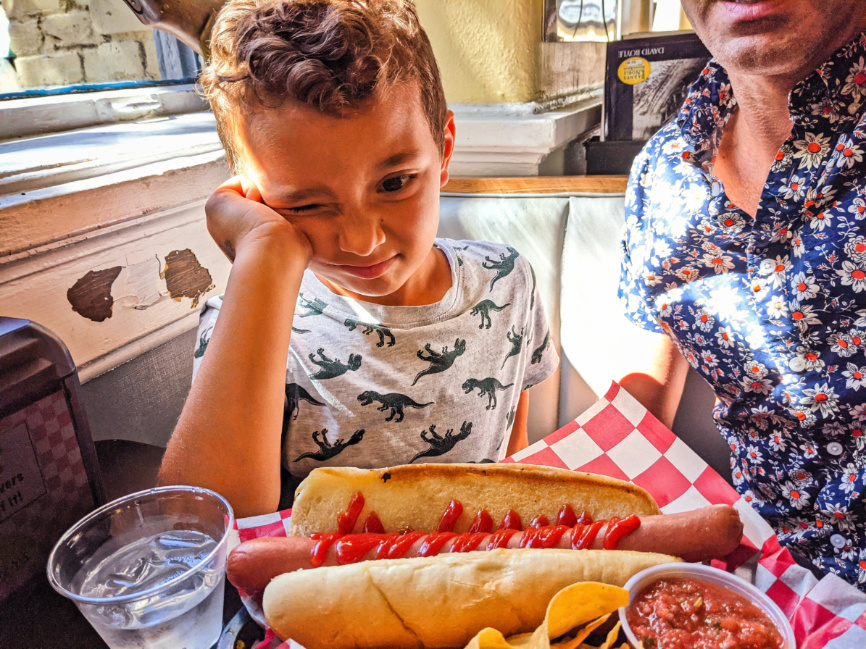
611 636
575 642
579 608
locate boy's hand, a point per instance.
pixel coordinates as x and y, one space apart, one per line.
237 217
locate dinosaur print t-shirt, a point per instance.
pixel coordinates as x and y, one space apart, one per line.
370 385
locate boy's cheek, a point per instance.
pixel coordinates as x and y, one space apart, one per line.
419 214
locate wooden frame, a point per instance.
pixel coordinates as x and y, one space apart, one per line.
176 60
538 185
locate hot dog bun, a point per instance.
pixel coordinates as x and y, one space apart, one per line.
440 601
416 495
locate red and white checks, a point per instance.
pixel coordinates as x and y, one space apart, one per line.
619 438
29 534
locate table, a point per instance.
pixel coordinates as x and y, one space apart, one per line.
38 617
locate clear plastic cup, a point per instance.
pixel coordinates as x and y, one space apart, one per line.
148 569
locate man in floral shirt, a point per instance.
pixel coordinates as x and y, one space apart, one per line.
746 245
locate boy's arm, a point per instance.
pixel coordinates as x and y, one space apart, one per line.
519 439
228 435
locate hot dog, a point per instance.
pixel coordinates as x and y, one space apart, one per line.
699 535
440 601
414 496
411 538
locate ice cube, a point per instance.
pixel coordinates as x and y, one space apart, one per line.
182 539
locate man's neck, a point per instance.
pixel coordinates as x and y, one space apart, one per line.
764 121
761 123
752 137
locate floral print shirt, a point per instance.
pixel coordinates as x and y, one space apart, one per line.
771 310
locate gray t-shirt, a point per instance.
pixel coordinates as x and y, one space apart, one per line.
370 385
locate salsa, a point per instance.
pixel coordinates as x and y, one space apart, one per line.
687 613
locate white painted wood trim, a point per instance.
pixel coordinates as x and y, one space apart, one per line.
135 348
58 253
95 203
516 139
31 164
36 115
34 285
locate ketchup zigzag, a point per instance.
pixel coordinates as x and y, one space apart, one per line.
352 548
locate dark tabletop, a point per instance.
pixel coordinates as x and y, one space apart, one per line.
36 617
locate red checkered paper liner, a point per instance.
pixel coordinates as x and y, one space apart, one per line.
618 437
66 498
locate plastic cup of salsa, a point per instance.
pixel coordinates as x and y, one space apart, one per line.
695 571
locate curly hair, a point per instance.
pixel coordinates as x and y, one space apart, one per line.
331 55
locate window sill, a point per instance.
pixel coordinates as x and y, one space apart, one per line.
128 169
518 139
50 114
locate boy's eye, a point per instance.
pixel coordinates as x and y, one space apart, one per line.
302 208
396 183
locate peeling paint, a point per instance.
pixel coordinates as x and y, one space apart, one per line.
185 277
91 297
141 284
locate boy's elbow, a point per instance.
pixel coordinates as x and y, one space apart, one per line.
249 493
246 509
166 475
244 503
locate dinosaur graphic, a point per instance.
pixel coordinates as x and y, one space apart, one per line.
502 267
516 341
396 402
458 257
384 332
441 444
332 368
300 331
294 395
538 351
314 306
326 449
509 420
202 343
483 308
487 386
439 362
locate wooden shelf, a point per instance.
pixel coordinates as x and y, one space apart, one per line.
538 185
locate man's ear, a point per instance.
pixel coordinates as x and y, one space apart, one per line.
448 150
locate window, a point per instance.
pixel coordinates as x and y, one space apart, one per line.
580 20
56 46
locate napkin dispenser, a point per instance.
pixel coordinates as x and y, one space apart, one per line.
49 475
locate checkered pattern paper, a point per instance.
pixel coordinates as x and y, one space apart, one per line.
619 438
30 533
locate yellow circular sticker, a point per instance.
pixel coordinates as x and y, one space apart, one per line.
634 70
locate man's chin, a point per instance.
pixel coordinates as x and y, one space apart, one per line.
764 55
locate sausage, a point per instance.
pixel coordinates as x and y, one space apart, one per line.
707 533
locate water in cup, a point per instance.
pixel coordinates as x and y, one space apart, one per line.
181 620
148 570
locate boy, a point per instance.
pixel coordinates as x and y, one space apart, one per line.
348 335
